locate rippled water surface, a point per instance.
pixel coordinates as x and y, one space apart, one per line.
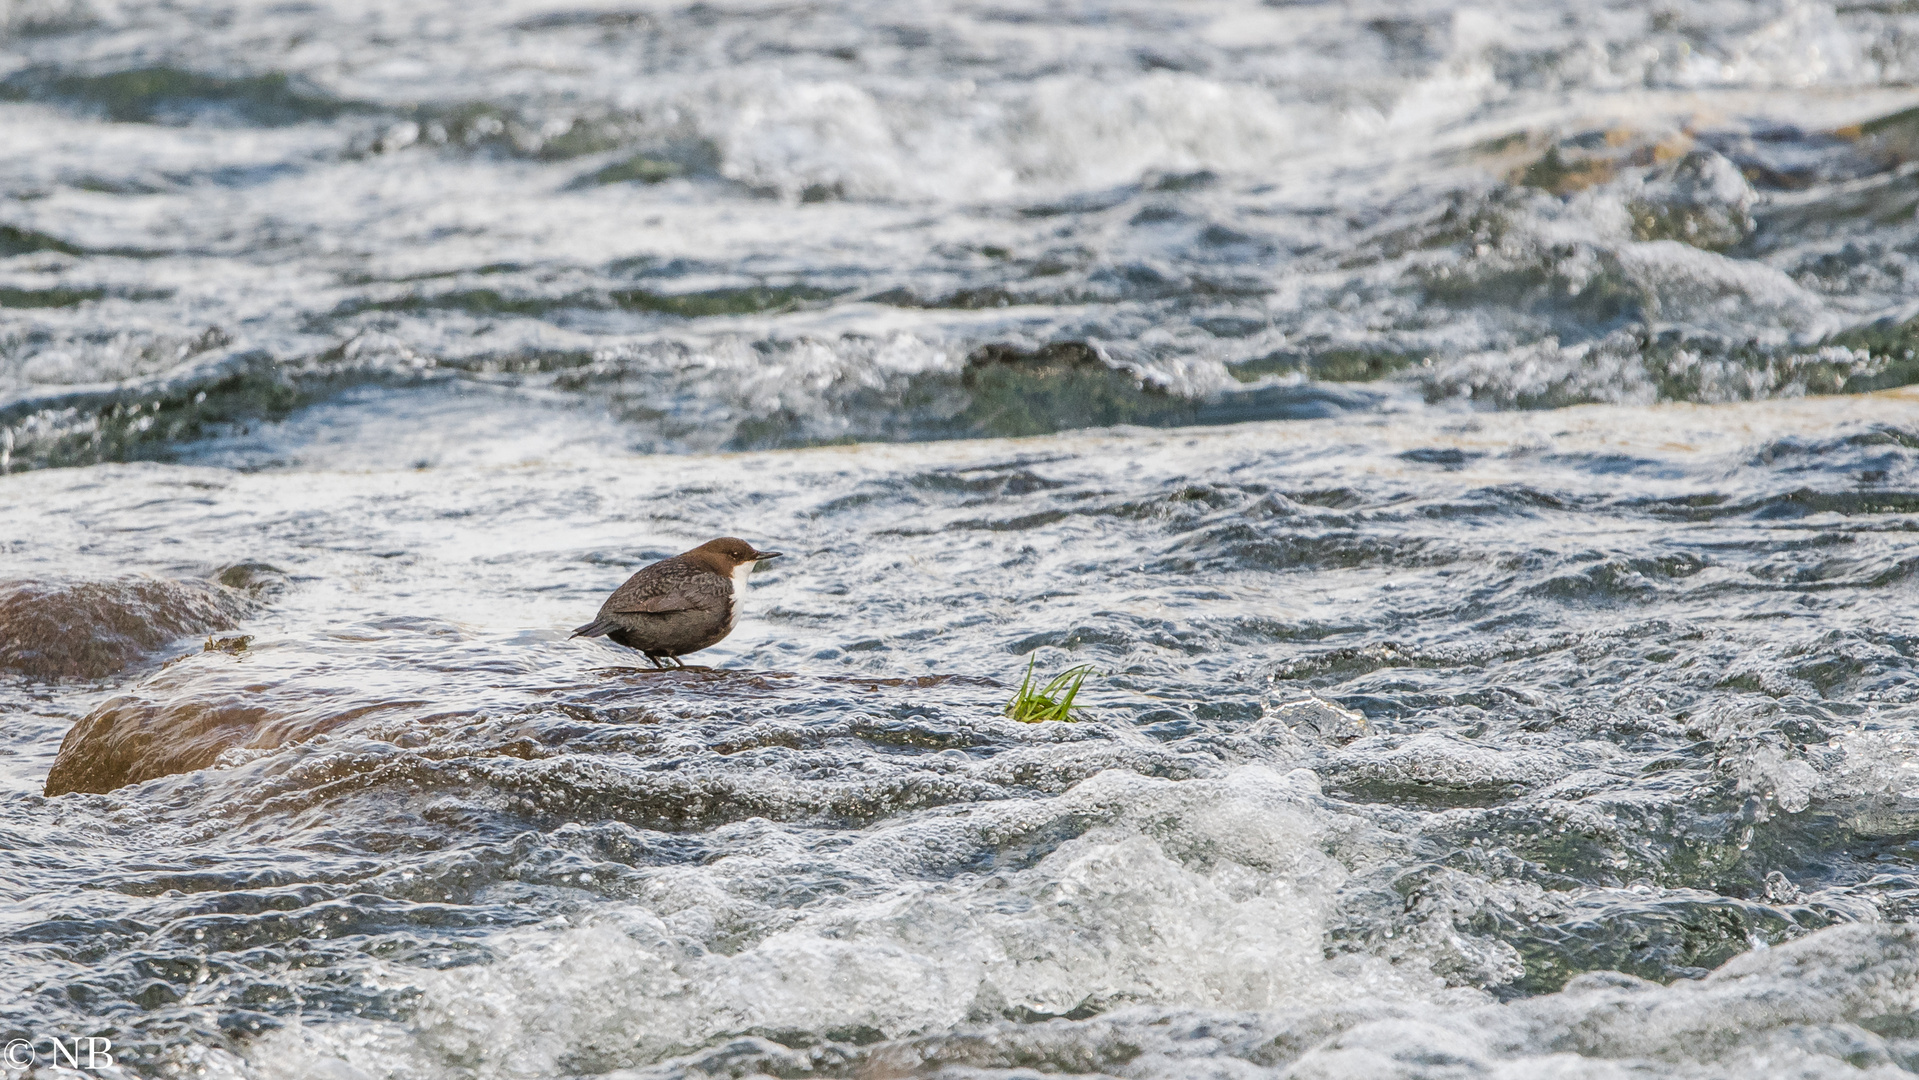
1475 446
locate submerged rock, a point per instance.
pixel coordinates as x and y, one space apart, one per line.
1063 384
130 739
92 629
413 694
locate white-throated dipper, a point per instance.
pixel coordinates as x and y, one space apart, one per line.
679 605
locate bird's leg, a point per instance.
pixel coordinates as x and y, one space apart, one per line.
656 661
677 662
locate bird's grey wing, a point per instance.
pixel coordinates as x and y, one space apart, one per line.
662 589
650 605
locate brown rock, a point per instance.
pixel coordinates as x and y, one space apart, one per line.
92 629
131 738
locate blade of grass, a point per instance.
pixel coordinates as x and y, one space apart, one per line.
1022 704
1066 703
1033 704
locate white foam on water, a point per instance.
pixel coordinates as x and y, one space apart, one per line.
1451 762
1714 292
1216 898
1208 896
923 127
607 991
1055 151
1206 893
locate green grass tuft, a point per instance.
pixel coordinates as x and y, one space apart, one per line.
1033 703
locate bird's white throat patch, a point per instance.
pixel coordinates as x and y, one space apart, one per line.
740 573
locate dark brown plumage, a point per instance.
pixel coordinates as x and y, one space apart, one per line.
679 605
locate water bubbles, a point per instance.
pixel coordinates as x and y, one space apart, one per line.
401 135
1779 890
1423 714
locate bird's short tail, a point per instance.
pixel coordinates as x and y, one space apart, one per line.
596 628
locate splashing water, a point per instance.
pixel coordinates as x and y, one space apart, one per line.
1496 541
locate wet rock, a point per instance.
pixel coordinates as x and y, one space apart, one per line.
1064 384
92 629
129 739
236 701
254 578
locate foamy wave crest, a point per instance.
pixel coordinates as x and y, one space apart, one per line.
842 139
1186 922
1200 893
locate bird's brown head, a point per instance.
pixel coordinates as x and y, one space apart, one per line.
728 552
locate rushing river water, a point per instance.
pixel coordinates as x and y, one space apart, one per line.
1476 446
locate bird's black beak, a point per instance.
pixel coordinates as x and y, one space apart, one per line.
762 556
